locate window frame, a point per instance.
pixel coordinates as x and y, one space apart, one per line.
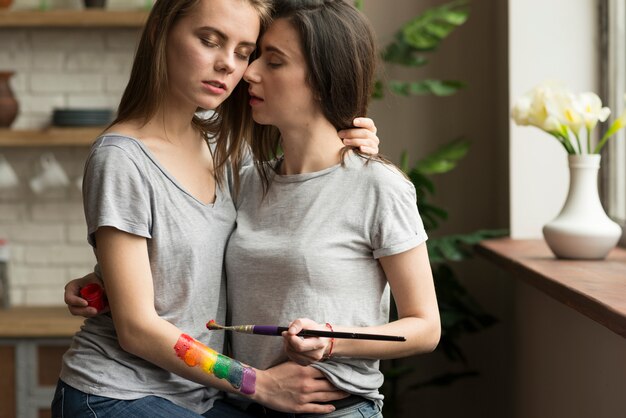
613 86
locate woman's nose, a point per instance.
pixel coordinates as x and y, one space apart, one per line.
225 62
251 75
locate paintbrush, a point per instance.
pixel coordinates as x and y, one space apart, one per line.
276 330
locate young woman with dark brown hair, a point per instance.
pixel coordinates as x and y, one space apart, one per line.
324 232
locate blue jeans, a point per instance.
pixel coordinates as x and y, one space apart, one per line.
365 409
69 402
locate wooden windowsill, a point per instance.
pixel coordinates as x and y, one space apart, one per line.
596 289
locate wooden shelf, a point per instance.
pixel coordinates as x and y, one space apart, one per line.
23 322
72 18
596 289
51 137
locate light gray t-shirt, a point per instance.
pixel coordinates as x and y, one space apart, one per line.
310 249
126 188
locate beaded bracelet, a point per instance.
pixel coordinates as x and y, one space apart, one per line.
332 343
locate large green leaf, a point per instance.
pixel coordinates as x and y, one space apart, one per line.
418 88
401 53
378 92
425 32
431 216
421 182
444 158
459 247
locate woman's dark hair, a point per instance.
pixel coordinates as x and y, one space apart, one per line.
231 123
339 47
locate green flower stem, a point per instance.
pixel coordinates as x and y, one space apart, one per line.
588 139
602 142
564 141
618 124
567 143
580 147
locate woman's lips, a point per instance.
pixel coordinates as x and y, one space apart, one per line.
254 100
215 87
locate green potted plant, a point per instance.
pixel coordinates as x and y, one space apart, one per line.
460 313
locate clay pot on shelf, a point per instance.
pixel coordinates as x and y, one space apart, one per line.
8 103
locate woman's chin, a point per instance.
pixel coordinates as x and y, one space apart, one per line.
260 120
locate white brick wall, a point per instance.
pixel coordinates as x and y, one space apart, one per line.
54 68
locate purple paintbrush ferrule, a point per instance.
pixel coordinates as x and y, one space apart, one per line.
266 330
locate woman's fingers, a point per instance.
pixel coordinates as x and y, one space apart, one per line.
76 304
87 312
365 123
365 140
368 150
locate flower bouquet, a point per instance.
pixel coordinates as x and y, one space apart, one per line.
569 117
582 230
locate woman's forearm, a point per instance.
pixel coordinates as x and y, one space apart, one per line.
422 336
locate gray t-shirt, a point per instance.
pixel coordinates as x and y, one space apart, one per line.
310 249
126 188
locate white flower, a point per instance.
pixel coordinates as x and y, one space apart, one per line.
535 108
590 108
555 110
520 111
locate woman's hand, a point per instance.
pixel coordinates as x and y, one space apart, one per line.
307 350
75 303
362 137
289 387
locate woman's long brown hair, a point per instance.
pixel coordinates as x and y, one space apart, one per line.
231 124
339 46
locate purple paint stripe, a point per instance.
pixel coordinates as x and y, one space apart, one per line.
248 382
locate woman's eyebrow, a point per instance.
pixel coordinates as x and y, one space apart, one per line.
271 48
224 37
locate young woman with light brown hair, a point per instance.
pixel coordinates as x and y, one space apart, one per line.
157 197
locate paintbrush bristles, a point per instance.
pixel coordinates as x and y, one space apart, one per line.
212 325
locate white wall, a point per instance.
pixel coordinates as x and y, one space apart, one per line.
565 364
54 68
548 40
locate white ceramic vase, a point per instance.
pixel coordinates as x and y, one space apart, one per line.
582 230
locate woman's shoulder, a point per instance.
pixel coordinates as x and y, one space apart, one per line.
120 140
118 136
377 172
119 149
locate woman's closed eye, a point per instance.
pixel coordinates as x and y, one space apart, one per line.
244 54
210 42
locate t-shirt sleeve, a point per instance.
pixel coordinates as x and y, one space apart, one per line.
115 194
398 227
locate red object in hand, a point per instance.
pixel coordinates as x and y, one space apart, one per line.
93 293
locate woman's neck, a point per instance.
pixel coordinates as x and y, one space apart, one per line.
310 147
171 124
